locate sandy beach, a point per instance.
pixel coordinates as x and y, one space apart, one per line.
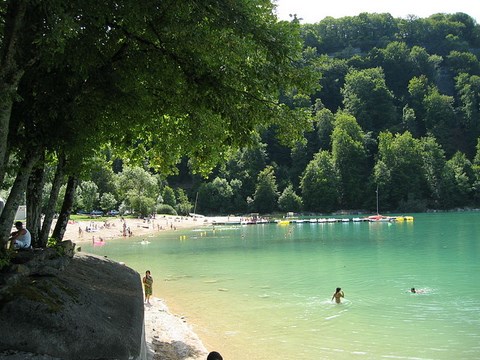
168 336
114 228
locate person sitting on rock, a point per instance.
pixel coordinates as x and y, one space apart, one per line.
20 239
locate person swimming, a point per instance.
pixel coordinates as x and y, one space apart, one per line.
416 291
338 295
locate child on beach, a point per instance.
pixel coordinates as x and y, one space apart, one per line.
147 286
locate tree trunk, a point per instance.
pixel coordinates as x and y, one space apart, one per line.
6 102
10 72
16 195
35 185
50 210
64 215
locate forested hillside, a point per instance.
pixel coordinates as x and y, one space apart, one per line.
395 109
397 106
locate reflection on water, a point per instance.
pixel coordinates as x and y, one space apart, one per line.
264 292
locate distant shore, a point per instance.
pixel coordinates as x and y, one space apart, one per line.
116 228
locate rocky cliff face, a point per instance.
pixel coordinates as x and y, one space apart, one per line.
83 307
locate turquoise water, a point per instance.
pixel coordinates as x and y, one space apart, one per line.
264 291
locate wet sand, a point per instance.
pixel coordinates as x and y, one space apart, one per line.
169 336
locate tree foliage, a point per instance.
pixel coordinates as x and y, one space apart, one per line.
458 178
266 192
350 158
184 207
289 200
215 196
168 196
320 184
87 195
108 202
154 81
367 97
139 189
402 158
146 86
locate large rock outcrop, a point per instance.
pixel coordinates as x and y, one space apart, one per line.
84 307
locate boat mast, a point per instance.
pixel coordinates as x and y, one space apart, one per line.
377 201
195 208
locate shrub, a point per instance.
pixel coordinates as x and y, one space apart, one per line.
166 209
53 243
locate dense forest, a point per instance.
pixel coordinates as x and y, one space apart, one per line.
226 110
397 109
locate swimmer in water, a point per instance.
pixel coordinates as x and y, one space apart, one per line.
338 295
416 291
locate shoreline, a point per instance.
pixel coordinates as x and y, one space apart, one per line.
168 336
115 228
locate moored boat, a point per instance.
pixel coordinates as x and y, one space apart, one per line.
403 218
382 218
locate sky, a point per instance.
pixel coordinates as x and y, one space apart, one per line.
312 11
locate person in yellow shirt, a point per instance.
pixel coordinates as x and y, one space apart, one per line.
148 286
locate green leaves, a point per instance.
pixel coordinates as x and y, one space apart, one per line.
367 97
266 192
162 80
320 184
350 159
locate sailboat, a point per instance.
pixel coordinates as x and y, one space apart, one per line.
378 217
194 214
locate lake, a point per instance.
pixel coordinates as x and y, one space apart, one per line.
264 291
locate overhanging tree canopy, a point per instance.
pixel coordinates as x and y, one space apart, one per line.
161 79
